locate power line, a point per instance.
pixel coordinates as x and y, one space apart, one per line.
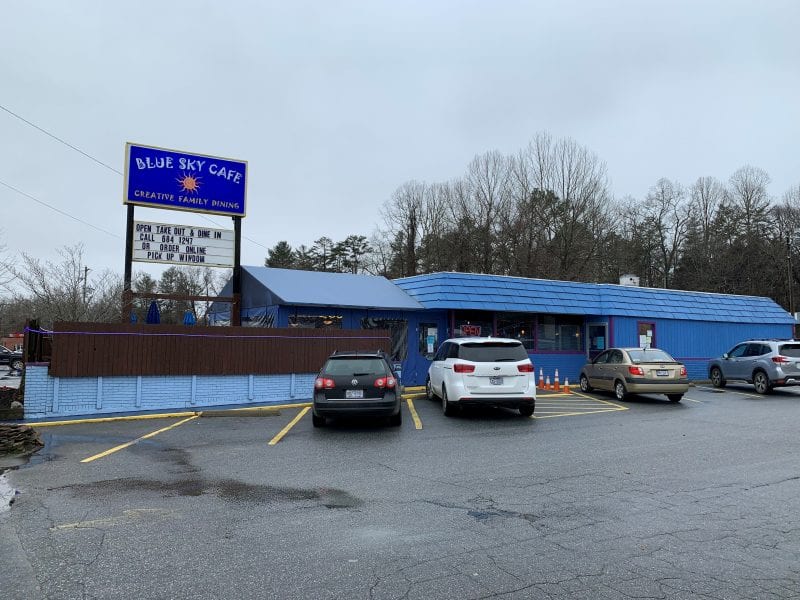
58 139
92 158
59 211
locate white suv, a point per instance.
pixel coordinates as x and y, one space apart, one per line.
479 370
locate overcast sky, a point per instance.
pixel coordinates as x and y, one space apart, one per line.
336 104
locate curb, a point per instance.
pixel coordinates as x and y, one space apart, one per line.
266 410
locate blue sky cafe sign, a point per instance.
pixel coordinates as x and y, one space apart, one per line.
162 178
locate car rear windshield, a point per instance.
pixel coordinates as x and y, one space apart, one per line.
792 350
652 355
353 366
492 352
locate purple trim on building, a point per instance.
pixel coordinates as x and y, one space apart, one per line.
611 332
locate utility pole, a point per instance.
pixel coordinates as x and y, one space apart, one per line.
85 277
789 273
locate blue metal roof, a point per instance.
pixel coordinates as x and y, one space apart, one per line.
465 291
315 288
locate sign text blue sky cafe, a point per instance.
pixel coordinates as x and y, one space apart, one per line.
161 178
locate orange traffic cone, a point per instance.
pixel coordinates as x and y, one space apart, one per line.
547 383
541 379
556 386
566 385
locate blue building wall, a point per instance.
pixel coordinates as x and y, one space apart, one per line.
54 397
568 365
694 343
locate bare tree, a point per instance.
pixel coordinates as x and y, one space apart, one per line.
667 220
6 273
747 192
402 217
62 291
487 179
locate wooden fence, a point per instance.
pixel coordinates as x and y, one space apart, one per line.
106 349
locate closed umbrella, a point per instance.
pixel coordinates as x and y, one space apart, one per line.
153 313
188 318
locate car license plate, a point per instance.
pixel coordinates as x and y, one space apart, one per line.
662 373
496 380
354 393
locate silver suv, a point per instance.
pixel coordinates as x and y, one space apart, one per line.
766 364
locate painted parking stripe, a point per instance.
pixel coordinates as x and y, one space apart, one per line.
414 415
573 404
727 390
291 424
139 439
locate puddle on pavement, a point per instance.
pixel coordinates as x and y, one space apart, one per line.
229 490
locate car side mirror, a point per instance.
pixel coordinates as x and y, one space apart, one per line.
725 356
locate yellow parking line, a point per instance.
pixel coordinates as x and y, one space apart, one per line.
414 415
569 404
268 407
291 424
112 419
137 440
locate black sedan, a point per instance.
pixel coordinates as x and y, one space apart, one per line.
12 358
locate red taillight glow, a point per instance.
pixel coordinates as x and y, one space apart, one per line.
385 382
683 371
462 368
526 368
324 383
780 359
636 370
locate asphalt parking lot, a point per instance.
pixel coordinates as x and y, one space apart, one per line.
590 498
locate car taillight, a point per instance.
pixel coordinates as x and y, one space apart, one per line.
462 368
636 370
780 359
526 368
385 382
683 371
324 383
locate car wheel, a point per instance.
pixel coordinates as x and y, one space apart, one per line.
716 378
674 397
584 381
429 393
619 390
761 382
17 364
526 411
396 420
317 421
448 408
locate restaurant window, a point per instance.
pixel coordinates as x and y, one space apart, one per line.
647 334
561 333
398 331
517 327
428 339
316 321
473 323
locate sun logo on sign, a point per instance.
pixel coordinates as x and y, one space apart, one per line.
189 183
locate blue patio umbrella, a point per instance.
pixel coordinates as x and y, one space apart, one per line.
188 318
153 313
